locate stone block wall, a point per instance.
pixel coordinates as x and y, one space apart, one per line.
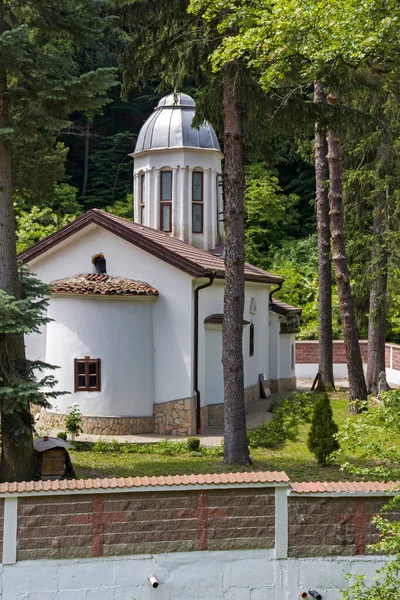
175 418
212 415
104 425
333 526
117 524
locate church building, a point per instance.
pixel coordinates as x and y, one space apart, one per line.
136 307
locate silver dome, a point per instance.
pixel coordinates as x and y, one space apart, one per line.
170 126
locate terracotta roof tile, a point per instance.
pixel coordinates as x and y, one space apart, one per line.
329 487
129 482
102 285
184 256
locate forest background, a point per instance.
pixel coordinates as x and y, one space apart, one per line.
86 164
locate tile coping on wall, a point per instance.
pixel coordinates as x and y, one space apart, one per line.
196 482
180 482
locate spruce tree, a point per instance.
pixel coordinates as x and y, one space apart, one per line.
321 438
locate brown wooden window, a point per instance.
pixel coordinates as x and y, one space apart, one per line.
197 202
142 196
251 340
166 201
87 374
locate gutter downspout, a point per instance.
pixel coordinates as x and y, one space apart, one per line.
279 287
196 348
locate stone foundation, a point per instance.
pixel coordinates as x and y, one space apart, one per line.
175 418
287 384
212 415
105 425
252 394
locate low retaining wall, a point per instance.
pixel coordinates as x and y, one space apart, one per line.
247 536
307 353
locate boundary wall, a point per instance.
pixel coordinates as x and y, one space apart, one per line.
236 536
307 359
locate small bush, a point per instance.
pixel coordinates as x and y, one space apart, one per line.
62 435
193 444
322 440
73 420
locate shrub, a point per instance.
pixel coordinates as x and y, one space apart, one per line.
193 444
62 435
322 440
73 420
289 413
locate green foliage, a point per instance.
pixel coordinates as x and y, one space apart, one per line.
31 381
374 435
193 444
73 420
270 214
62 435
162 448
322 440
296 262
289 413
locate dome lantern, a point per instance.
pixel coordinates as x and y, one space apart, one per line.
177 174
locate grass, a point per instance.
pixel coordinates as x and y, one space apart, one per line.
292 457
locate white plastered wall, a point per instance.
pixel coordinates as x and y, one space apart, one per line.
210 340
120 333
274 345
225 575
172 311
182 163
287 370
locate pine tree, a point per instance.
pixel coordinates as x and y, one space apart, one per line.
321 438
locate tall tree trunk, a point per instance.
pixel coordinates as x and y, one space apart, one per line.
377 298
235 438
17 459
357 387
325 369
379 268
86 159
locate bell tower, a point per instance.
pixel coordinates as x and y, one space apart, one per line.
177 174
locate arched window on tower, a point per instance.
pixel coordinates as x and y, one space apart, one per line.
142 196
197 202
99 264
166 201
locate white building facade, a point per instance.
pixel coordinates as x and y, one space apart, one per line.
138 344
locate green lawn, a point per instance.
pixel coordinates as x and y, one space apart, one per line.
292 457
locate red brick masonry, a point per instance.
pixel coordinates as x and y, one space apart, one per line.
307 352
77 526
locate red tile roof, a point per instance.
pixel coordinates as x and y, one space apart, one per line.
330 487
138 482
181 255
102 285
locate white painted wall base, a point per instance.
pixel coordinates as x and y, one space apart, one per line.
230 575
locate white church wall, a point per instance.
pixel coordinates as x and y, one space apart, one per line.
274 350
210 341
172 310
287 366
117 331
226 575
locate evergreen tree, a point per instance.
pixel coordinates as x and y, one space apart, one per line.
321 438
39 87
23 383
